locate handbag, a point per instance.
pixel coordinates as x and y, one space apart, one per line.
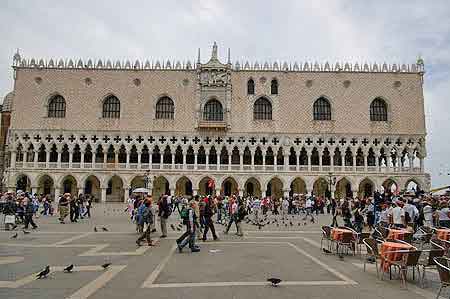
10 219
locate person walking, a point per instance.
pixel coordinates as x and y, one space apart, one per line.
73 204
10 213
146 218
233 215
29 212
188 237
63 207
164 211
241 213
88 207
207 216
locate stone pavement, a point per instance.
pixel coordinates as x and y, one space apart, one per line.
233 267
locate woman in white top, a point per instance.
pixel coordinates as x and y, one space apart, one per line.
444 215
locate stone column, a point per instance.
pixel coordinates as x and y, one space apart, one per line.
421 164
331 162
252 160
47 159
80 190
173 161
241 161
354 161
365 162
377 163
105 159
207 161
172 191
57 192
82 159
229 162
116 158
297 159
286 192
127 165
35 158
264 160
286 162
25 157
195 160
13 159
320 160
94 156
126 193
218 164
263 193
139 153
217 191
59 158
411 162
241 192
103 198
184 160
70 158
194 192
309 161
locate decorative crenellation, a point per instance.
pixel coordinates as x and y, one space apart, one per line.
99 64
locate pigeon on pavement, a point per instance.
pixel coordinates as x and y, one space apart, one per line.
68 269
43 273
105 266
104 229
14 236
274 281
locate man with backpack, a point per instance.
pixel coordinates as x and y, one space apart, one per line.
189 219
164 212
146 218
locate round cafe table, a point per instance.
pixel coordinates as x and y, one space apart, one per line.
397 234
443 234
338 233
387 254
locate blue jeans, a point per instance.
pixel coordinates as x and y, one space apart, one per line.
190 238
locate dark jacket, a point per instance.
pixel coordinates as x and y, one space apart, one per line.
10 208
164 209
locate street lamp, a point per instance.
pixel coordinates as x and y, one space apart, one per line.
331 182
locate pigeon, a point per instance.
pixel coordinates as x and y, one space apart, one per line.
105 266
179 229
285 224
290 223
95 229
68 269
25 232
274 281
14 236
43 273
126 210
172 226
326 251
104 229
299 224
341 257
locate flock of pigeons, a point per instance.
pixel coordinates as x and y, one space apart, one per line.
46 271
287 221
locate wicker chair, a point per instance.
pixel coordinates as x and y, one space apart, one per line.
359 241
372 252
347 241
409 260
326 236
444 273
435 252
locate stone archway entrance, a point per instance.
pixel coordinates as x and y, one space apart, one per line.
275 188
69 185
92 187
343 189
160 187
366 188
252 188
229 187
183 187
206 186
298 186
115 191
320 187
23 183
46 186
390 186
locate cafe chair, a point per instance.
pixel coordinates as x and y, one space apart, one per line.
435 252
372 252
444 273
409 260
326 236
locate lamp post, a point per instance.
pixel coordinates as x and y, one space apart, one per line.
331 182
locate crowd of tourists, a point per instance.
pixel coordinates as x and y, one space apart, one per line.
24 207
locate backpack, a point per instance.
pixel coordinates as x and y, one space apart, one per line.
147 215
184 213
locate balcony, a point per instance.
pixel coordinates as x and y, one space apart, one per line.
204 124
221 167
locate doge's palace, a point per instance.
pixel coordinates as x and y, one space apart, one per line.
211 127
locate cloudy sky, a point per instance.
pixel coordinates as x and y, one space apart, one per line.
372 31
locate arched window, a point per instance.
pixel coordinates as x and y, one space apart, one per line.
262 109
322 109
165 108
250 86
274 86
213 111
378 110
111 107
57 107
